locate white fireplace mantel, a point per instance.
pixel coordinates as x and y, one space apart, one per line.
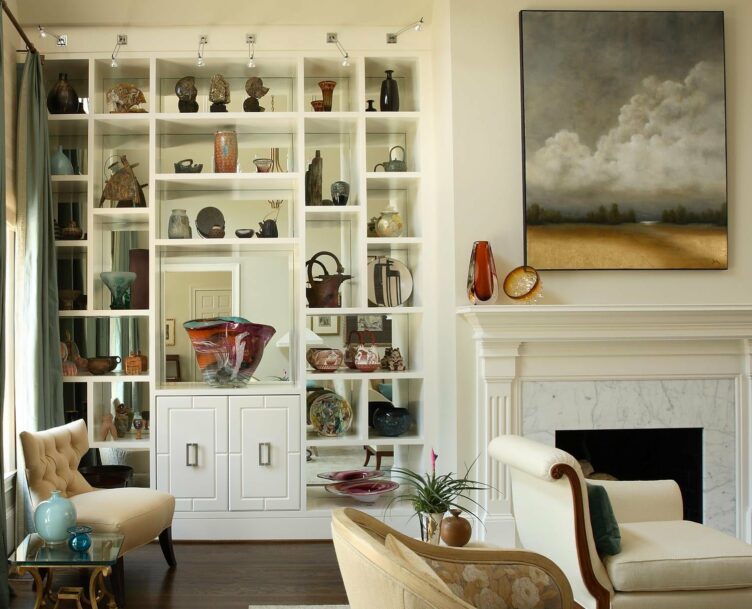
529 323
555 343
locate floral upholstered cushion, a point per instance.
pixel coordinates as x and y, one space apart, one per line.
499 585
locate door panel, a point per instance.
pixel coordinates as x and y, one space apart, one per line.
192 451
260 459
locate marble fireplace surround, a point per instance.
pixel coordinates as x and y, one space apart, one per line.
533 362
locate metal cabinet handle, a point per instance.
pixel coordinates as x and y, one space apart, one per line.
265 453
188 461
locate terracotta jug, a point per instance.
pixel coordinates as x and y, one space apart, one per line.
323 291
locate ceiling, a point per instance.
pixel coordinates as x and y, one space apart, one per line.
221 12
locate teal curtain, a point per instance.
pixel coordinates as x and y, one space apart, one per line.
4 590
39 364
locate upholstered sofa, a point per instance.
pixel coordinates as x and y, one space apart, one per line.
665 562
383 568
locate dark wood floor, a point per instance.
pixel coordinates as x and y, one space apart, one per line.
225 576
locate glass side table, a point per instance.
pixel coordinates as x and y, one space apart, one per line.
41 561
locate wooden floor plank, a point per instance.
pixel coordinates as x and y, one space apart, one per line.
225 576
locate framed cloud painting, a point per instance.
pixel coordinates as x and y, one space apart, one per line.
624 140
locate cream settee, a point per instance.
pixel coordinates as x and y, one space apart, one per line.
665 562
383 569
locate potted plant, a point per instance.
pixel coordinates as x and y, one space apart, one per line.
432 495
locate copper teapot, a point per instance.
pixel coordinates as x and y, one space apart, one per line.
323 291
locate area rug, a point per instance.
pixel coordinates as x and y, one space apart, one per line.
298 606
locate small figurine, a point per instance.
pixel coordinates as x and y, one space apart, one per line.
186 91
124 98
69 368
138 425
255 88
123 417
219 93
107 428
392 360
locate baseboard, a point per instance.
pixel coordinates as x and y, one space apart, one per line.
196 528
499 530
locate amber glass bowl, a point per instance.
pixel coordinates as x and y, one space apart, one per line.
523 284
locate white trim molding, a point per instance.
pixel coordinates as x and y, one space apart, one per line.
515 344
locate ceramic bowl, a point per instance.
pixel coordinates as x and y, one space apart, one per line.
244 233
392 422
68 299
324 359
101 365
263 165
188 166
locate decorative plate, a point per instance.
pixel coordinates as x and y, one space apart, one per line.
331 415
390 282
208 218
366 491
349 475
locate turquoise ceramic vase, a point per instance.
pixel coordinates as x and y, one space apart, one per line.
60 164
54 517
119 284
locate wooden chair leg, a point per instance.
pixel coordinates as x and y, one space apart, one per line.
368 456
378 460
165 542
117 581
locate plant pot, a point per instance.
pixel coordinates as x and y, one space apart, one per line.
430 527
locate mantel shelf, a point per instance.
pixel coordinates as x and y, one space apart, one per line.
529 323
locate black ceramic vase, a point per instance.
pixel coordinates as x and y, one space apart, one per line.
392 422
389 98
62 98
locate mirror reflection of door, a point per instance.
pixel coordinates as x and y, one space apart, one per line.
196 291
209 303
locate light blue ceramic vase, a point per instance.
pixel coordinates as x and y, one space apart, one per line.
54 517
60 164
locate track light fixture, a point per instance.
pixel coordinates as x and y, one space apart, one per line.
202 40
416 26
122 40
60 39
332 38
250 40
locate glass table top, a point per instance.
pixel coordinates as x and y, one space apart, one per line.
34 552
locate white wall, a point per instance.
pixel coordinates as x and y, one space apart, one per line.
487 151
488 158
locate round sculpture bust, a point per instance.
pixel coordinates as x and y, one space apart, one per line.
186 91
219 93
255 88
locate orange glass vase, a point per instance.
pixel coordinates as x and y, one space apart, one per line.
482 283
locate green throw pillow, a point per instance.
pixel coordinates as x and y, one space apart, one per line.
605 528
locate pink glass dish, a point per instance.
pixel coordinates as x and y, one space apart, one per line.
351 474
366 491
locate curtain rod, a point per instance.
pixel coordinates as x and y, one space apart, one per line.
29 44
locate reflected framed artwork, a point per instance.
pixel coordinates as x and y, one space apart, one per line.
624 140
169 332
325 324
380 326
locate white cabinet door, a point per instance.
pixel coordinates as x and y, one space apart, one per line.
192 451
265 452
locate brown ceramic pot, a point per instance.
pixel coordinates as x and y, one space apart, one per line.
455 531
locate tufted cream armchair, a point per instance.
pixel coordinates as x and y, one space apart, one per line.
382 568
665 562
139 514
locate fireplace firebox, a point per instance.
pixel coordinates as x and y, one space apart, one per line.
644 454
